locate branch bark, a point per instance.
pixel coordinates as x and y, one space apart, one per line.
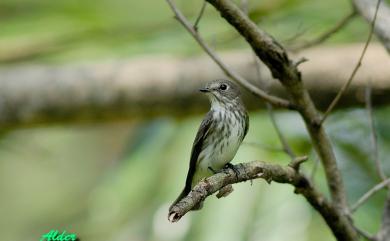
269 172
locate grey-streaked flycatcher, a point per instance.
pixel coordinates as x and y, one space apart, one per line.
220 134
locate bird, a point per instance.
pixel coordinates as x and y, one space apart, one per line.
219 136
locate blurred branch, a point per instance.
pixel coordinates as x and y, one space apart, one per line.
365 234
374 137
358 64
268 172
112 91
200 16
384 232
286 147
324 36
367 9
370 193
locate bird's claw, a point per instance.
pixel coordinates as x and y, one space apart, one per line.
234 168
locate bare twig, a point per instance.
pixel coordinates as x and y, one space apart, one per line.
290 40
374 138
296 162
228 71
286 147
359 63
366 9
365 234
324 36
196 24
384 231
368 194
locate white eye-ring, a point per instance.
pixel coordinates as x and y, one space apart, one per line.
223 87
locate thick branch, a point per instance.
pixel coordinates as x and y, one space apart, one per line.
269 172
366 8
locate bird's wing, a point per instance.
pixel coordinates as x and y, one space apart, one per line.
197 147
246 124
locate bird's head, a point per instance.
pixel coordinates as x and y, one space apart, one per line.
221 92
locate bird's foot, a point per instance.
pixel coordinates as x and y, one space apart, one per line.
234 168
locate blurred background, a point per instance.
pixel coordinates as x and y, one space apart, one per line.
108 178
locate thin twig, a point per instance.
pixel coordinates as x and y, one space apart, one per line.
296 162
324 36
286 147
196 24
290 40
368 194
359 63
365 234
374 138
228 71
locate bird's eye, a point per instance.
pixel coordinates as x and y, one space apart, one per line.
223 87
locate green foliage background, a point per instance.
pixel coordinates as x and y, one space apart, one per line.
115 181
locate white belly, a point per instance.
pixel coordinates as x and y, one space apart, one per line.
216 154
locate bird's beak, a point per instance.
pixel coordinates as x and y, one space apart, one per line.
204 90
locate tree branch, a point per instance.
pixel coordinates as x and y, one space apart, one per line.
270 172
366 9
369 194
196 24
275 57
286 147
358 64
384 232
